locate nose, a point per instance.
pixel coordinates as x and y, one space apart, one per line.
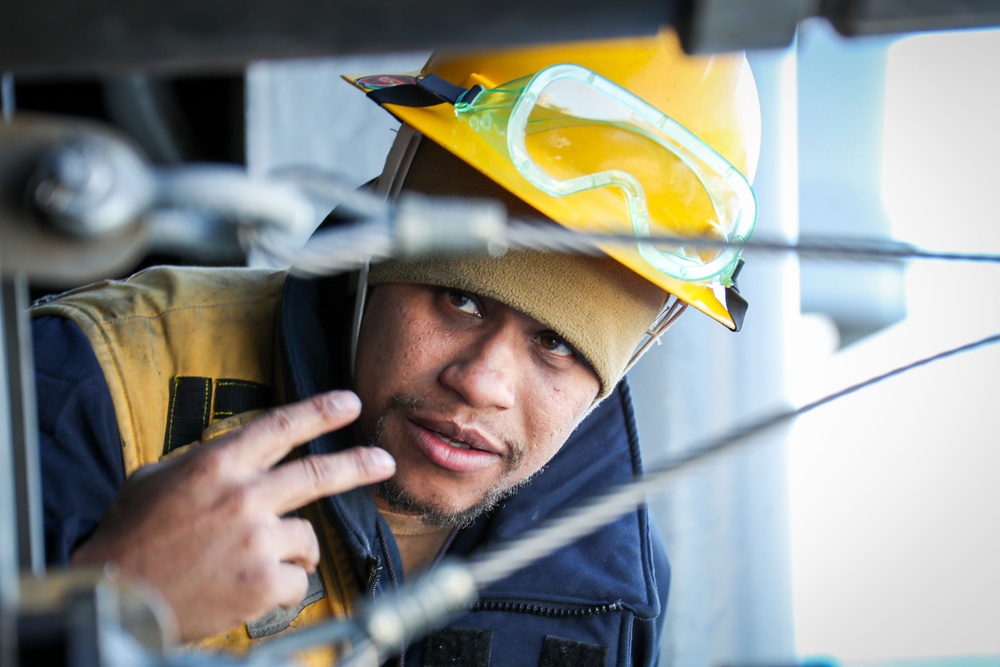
484 371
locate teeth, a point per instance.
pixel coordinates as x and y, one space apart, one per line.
453 443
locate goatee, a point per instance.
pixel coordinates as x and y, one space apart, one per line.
400 500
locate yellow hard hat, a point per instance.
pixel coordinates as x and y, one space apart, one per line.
650 95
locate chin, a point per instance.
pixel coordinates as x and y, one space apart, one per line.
401 499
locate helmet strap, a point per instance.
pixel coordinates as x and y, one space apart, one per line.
388 186
672 309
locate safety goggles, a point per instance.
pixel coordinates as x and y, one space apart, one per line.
572 133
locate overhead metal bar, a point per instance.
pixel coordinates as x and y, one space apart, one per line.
49 37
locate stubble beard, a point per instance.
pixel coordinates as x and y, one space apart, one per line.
400 500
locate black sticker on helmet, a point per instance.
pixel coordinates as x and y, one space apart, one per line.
377 81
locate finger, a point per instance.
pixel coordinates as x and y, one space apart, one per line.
266 440
298 543
292 585
296 483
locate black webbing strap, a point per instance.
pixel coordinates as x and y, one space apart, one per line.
458 646
234 397
558 652
188 413
426 91
197 401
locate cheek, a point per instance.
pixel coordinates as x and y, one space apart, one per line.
401 353
554 415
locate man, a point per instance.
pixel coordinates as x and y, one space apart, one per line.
472 374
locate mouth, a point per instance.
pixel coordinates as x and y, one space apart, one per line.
448 446
452 443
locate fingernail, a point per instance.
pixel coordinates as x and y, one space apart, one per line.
381 459
343 401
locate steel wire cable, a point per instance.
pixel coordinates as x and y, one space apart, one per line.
532 236
498 562
347 248
373 234
374 237
408 612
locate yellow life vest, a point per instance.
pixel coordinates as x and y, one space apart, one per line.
188 354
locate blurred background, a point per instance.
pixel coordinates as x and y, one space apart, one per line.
862 533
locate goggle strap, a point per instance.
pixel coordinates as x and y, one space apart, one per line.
405 95
737 307
735 303
429 90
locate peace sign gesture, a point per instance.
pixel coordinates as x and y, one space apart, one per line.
206 528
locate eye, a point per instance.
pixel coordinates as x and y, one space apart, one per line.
467 303
553 344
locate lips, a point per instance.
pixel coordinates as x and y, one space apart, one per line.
450 447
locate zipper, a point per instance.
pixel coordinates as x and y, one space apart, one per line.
401 660
374 574
385 550
542 610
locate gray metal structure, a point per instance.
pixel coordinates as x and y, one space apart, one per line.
119 35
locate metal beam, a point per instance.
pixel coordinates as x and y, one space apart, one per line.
48 37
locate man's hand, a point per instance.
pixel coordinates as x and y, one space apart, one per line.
206 528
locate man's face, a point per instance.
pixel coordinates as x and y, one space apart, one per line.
470 396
